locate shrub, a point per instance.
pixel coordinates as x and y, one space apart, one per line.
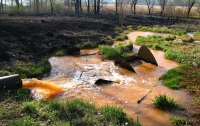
119 30
165 103
130 28
109 40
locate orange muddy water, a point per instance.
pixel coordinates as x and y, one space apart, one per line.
74 77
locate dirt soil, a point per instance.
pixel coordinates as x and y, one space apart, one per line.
29 38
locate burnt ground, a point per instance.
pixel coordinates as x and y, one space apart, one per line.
26 39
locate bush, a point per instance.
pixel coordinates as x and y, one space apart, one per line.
109 40
165 103
119 30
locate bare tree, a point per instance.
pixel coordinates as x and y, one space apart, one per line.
77 6
88 7
1 6
189 4
116 6
150 4
198 8
133 6
37 6
51 4
123 7
17 3
162 4
98 7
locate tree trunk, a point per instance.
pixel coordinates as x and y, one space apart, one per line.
41 4
116 6
134 8
190 5
77 7
51 2
98 7
17 3
46 6
80 5
30 6
68 3
95 7
88 7
149 10
1 6
37 6
5 7
188 12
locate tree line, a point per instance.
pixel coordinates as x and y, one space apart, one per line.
91 7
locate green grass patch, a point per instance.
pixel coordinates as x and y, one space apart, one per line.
109 51
180 121
60 53
170 37
186 38
186 53
165 103
162 30
87 45
184 76
32 69
121 37
57 112
154 42
197 36
120 49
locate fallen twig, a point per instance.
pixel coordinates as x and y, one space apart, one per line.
139 101
90 54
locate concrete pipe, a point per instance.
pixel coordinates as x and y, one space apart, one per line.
10 82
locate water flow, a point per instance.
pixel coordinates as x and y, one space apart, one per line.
77 75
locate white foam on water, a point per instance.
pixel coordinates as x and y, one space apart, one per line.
92 72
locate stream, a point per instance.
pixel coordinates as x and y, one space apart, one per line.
77 75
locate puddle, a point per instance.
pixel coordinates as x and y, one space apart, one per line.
77 75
